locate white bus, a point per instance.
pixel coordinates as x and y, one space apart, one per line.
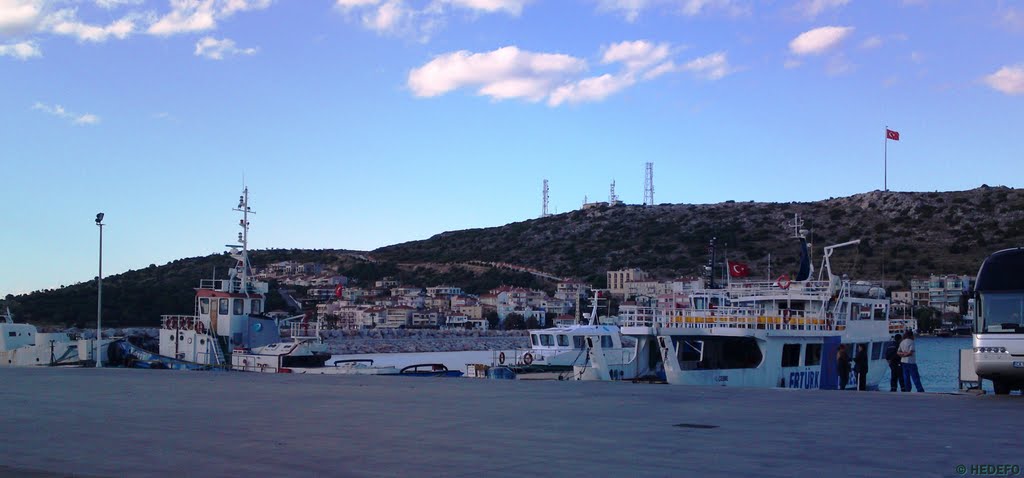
999 325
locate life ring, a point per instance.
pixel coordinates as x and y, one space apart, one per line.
783 281
785 316
501 358
200 328
172 323
189 323
528 358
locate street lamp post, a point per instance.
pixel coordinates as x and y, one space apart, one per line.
99 298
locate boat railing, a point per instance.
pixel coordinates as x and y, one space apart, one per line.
761 288
233 285
178 322
746 318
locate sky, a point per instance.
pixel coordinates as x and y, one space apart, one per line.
362 123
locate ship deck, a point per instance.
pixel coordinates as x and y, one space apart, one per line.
124 422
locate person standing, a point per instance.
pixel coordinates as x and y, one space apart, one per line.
909 362
843 366
860 366
895 371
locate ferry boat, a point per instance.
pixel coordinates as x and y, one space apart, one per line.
23 345
229 329
783 333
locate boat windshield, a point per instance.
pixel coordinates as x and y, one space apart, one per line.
1001 313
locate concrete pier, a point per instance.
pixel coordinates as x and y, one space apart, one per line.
118 422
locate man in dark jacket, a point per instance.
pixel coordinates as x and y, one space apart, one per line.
860 366
895 371
843 366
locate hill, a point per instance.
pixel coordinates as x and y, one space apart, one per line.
902 235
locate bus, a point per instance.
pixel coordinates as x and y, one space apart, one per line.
999 322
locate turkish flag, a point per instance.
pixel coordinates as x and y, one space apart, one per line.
893 135
738 269
337 291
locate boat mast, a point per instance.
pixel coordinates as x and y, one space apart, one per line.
243 238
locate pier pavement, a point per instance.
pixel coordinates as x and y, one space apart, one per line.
121 422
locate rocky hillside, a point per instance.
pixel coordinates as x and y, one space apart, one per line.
902 235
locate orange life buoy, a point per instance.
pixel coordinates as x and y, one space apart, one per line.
190 323
528 358
783 281
172 323
200 327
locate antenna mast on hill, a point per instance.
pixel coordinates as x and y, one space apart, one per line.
649 185
544 211
612 198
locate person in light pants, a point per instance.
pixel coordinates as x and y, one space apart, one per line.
909 362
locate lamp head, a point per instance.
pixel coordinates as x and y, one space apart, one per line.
99 218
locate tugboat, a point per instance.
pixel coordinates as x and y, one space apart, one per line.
228 329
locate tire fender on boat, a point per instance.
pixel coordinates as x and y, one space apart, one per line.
528 358
501 358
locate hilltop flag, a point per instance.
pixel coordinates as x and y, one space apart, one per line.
337 291
738 269
893 135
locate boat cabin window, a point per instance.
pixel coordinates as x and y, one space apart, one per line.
254 308
876 350
606 341
239 305
223 306
725 352
690 350
204 306
547 340
791 355
563 340
879 312
577 342
12 334
812 354
534 338
1001 313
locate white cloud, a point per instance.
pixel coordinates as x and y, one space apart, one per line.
710 67
730 7
818 40
230 7
403 18
629 8
60 112
21 51
112 4
812 8
1008 80
188 16
19 15
503 73
595 88
509 72
216 49
512 7
65 22
636 55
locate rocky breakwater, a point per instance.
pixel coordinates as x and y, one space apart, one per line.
343 342
369 341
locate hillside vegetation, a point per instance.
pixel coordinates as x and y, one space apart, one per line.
902 235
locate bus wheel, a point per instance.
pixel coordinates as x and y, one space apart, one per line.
1001 388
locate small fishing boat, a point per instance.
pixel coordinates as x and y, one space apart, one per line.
429 370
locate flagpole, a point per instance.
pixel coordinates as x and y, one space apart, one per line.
885 168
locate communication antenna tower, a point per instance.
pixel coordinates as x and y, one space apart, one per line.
649 185
612 198
544 211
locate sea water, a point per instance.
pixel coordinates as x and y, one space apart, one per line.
938 361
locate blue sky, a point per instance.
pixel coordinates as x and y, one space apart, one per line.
363 123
